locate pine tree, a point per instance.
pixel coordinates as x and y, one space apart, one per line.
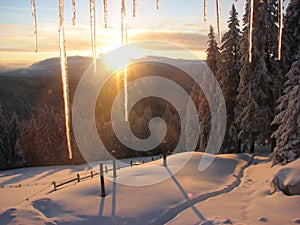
3 140
44 138
287 121
228 77
11 151
204 114
197 95
256 88
212 51
288 133
16 149
291 32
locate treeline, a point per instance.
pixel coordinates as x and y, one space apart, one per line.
262 97
38 141
11 150
32 97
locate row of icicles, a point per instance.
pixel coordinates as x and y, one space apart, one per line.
62 47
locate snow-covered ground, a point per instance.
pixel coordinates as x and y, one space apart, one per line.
235 189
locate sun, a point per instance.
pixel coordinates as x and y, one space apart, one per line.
126 55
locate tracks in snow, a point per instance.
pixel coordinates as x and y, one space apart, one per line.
173 212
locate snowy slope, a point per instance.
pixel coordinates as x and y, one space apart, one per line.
234 189
249 203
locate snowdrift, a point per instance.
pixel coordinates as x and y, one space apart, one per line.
287 179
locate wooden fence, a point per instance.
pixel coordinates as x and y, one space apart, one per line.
101 171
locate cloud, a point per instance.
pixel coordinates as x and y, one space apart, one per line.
192 41
16 38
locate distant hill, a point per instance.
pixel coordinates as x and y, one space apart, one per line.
26 88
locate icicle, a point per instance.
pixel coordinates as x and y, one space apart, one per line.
251 29
74 12
218 20
124 42
123 15
125 94
134 8
205 10
34 24
125 82
157 4
93 31
123 9
105 13
64 74
280 22
126 36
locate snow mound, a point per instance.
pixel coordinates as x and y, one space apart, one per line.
287 179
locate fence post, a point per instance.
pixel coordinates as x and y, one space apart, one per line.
78 177
114 168
92 174
54 185
131 163
102 181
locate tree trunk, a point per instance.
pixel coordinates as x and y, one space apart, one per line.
273 144
238 146
252 147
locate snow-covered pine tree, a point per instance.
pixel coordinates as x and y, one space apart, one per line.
43 138
288 133
11 151
4 140
212 51
228 78
201 104
198 96
190 124
256 88
17 157
173 125
276 68
291 32
283 153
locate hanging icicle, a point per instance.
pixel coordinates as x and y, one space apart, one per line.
125 82
134 8
205 10
124 42
105 13
64 74
93 31
123 25
218 20
74 12
251 29
34 25
126 36
125 94
123 9
280 22
157 4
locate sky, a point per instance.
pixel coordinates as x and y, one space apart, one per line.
177 22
